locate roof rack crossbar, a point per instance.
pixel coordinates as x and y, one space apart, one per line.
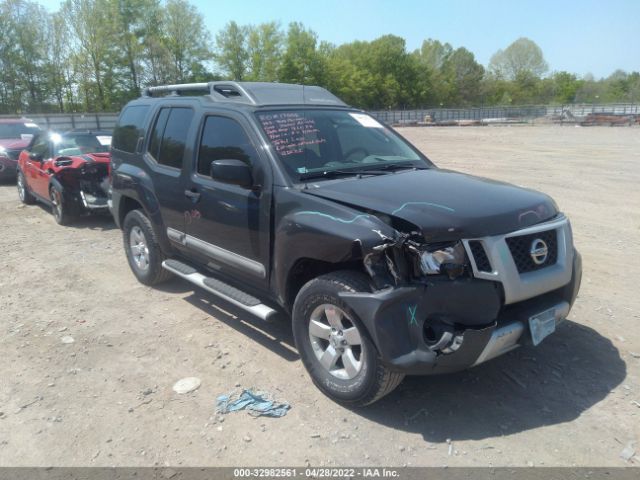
217 90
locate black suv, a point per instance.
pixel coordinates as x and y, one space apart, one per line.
280 197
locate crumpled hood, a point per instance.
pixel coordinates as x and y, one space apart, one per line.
95 157
445 205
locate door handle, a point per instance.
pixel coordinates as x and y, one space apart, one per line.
193 194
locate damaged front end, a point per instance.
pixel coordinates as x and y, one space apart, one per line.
85 187
430 314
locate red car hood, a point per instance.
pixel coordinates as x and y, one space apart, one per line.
14 143
96 157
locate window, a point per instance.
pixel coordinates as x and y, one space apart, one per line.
223 139
129 128
79 144
41 146
158 131
18 130
169 136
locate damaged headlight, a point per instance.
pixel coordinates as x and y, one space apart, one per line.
449 260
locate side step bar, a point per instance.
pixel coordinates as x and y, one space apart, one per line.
223 290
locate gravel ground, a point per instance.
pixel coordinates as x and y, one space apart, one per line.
106 398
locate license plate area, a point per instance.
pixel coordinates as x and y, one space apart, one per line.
542 325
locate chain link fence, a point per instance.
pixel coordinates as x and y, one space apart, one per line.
507 114
62 122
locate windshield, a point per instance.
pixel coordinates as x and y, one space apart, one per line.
79 144
18 130
325 141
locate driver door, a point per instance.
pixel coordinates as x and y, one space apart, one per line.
36 176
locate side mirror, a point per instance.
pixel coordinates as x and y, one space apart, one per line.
36 157
232 171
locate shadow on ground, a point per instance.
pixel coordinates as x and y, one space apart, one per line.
103 221
274 334
529 388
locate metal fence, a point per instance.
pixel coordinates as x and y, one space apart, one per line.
106 121
527 112
61 122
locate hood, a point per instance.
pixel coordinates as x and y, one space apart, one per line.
95 157
443 204
14 143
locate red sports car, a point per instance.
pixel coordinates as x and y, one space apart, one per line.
15 134
69 172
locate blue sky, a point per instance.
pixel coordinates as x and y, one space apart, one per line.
580 36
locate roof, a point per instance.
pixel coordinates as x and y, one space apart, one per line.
15 120
252 93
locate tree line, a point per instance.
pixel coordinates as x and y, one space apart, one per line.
95 55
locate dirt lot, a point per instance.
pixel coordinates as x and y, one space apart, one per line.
106 399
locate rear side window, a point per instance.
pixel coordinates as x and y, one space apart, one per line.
223 139
129 128
169 136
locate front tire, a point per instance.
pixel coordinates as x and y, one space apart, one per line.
23 190
334 345
143 251
60 211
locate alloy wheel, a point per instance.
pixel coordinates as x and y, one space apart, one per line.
139 248
336 341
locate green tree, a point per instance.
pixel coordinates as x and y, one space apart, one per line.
133 29
301 61
523 56
94 49
231 50
462 76
186 40
264 49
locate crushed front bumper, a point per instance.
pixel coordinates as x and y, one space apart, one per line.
398 321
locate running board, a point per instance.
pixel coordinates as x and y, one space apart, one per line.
223 290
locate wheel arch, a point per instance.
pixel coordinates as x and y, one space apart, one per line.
305 269
127 204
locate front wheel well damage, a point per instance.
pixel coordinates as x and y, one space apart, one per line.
306 269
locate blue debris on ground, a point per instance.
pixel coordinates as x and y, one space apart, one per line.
257 404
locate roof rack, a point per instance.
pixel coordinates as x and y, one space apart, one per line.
217 90
252 93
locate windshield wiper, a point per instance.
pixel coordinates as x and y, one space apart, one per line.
336 173
372 169
390 167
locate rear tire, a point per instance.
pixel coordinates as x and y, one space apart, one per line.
143 251
342 362
23 190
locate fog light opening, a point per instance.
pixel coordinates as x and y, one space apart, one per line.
440 337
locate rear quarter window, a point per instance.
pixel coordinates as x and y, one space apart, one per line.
129 128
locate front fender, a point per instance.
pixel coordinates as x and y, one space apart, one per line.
309 227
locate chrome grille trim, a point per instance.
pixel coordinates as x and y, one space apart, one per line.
521 286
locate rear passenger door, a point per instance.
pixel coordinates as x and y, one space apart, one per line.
232 230
167 147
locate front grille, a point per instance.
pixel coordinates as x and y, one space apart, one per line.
520 248
480 256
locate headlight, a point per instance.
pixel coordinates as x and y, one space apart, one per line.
450 260
3 150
